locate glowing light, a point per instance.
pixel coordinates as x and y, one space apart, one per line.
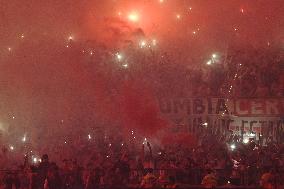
236 29
12 147
242 10
13 117
22 36
205 124
178 16
125 65
209 62
91 53
133 17
246 140
9 49
65 142
161 1
190 8
143 44
154 42
214 55
252 135
24 139
122 144
109 145
89 137
119 56
194 32
233 146
70 38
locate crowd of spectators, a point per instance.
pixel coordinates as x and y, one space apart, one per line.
213 162
245 72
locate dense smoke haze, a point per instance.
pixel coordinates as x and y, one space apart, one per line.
53 91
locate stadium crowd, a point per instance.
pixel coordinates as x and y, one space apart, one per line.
213 162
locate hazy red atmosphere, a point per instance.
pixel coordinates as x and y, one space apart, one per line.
136 71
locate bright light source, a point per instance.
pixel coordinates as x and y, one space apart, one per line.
133 17
12 148
178 16
205 124
214 55
13 117
22 36
89 137
24 139
125 65
209 62
143 44
233 146
194 32
9 49
70 38
119 56
246 140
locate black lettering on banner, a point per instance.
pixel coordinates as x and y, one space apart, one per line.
198 106
181 105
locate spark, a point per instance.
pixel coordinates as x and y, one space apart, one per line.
12 148
214 55
119 56
24 138
143 44
233 146
89 137
205 124
245 140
